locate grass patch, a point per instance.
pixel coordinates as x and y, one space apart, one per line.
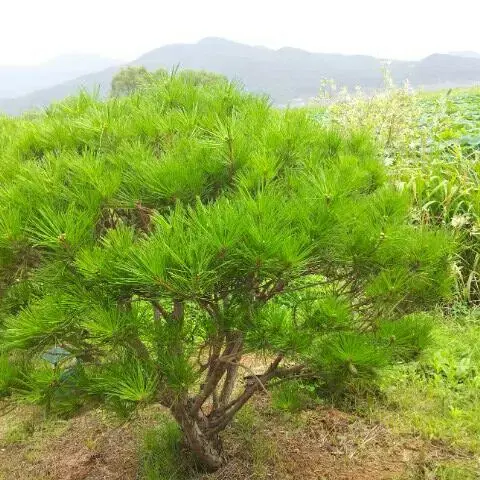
439 395
293 397
257 448
28 426
445 471
455 472
161 457
19 432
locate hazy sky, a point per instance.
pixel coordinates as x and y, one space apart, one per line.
32 31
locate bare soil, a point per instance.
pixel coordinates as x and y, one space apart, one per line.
319 444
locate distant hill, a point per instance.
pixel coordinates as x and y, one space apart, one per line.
439 69
21 80
284 74
94 82
287 75
466 54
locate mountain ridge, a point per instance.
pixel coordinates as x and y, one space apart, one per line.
465 54
286 74
19 80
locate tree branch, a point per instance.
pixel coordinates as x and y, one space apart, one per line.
213 377
139 347
232 370
159 311
220 423
273 366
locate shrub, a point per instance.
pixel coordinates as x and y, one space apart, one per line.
158 238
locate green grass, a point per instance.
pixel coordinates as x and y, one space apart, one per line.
161 457
453 472
439 395
259 449
292 397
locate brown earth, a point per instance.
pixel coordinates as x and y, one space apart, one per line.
319 444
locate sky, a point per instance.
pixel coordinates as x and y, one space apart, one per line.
33 31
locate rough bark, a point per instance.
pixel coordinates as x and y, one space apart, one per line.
232 370
206 449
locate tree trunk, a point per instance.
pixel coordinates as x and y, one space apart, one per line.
206 449
201 431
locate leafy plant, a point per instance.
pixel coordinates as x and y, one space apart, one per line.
438 394
430 144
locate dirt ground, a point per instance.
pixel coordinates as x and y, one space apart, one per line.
319 444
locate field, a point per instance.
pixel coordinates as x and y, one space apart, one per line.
422 419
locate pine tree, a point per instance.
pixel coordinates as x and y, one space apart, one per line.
155 240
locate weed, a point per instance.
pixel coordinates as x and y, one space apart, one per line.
439 395
161 457
294 397
258 448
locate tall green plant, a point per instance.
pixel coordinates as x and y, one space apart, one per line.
161 237
431 144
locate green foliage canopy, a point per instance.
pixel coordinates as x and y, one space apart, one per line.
161 237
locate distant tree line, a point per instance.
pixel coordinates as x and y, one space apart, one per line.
131 79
